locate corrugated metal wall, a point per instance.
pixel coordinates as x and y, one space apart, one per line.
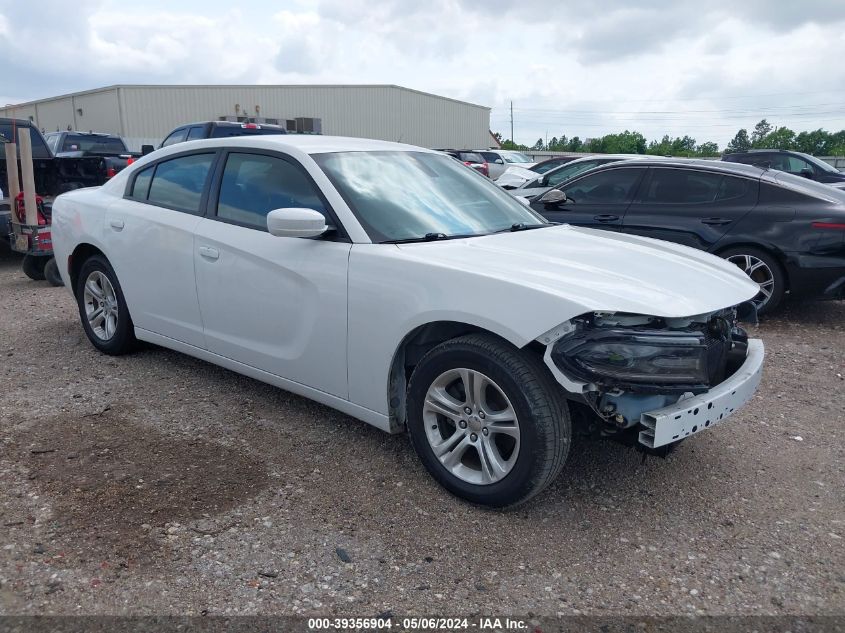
145 114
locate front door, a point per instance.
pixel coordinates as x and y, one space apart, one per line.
274 303
597 200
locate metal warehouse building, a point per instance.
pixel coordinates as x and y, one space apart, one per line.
145 114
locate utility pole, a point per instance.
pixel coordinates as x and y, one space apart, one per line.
512 140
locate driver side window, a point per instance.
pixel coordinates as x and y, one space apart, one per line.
255 184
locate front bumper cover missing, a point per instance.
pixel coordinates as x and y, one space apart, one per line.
692 415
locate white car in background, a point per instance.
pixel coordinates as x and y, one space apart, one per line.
500 160
393 284
541 183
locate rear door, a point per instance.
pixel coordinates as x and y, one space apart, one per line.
152 228
690 206
597 200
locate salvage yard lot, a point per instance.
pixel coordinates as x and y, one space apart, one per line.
156 484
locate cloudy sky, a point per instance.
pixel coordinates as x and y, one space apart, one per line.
574 67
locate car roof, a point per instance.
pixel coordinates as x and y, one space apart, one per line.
698 163
761 151
306 143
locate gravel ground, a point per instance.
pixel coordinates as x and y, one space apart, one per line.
159 484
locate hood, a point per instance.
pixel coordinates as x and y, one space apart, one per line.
515 176
598 270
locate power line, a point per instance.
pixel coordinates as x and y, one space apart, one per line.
731 110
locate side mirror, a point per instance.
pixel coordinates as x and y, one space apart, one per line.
147 149
555 196
807 172
296 223
499 161
543 181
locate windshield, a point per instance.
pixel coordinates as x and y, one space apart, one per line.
408 195
818 162
91 143
516 157
542 168
563 173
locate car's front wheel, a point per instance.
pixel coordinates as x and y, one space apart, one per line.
102 308
487 420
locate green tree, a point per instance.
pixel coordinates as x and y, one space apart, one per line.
708 149
779 138
538 146
575 145
740 142
761 130
624 143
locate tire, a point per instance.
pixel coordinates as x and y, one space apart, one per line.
114 334
769 272
33 266
51 273
517 386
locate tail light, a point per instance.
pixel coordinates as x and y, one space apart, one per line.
250 126
486 169
129 161
110 172
836 226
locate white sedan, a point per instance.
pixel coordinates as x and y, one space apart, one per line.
393 284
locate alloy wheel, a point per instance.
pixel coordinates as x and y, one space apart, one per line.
101 305
759 272
471 426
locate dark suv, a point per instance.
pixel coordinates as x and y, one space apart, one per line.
791 162
218 129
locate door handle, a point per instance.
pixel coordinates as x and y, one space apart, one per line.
606 218
715 221
117 225
208 252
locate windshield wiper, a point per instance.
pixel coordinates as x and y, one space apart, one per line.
428 237
522 226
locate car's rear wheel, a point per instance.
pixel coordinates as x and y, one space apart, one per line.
102 308
51 273
33 266
763 269
487 420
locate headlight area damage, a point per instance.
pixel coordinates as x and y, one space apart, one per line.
652 381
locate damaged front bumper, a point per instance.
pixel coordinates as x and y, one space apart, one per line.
692 415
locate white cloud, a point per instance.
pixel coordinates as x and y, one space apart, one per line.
578 68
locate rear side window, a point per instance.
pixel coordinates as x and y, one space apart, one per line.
253 185
733 188
613 186
680 186
178 183
490 157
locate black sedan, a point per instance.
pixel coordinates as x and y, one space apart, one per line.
786 232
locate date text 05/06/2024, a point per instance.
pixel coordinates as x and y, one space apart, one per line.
485 624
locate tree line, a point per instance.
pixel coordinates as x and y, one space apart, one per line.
763 136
